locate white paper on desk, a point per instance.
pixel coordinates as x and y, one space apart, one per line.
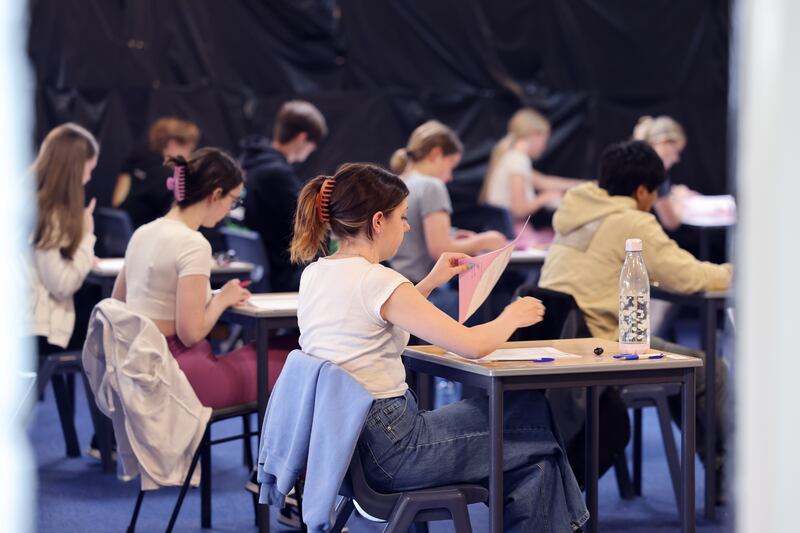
526 354
113 264
272 303
475 285
702 210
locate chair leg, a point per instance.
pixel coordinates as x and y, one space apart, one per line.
637 451
185 486
624 484
65 414
135 517
460 514
205 481
670 449
342 513
402 516
298 492
103 430
247 445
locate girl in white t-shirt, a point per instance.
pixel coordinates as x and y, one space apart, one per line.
166 277
511 182
357 313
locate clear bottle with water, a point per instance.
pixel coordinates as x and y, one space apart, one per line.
634 301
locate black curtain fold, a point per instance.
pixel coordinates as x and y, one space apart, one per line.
377 69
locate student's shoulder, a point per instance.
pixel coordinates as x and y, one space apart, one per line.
383 274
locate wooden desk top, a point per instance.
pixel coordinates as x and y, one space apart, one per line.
588 362
268 305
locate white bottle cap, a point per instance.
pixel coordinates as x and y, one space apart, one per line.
633 245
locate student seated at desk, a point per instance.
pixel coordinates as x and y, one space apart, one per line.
512 183
166 277
63 239
358 314
427 164
585 259
272 184
666 136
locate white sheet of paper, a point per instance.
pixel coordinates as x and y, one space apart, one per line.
113 264
525 354
277 304
709 210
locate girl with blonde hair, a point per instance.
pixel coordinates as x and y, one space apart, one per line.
511 182
666 136
426 164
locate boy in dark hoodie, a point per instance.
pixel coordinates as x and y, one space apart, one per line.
272 186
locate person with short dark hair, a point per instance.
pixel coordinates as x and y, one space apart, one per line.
592 224
273 187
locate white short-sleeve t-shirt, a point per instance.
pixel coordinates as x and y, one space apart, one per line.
513 162
339 315
158 254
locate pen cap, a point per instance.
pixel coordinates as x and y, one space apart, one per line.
633 245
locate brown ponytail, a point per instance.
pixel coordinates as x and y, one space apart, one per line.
309 231
360 191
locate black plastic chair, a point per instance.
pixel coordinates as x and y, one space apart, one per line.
402 510
484 218
53 368
204 451
113 230
248 247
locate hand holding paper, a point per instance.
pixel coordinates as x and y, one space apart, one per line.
475 285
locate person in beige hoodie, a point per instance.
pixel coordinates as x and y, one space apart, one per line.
587 254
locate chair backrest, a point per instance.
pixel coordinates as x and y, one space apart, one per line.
248 247
483 218
562 320
113 230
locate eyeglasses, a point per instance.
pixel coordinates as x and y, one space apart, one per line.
237 202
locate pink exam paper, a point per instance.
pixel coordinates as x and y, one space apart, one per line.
475 285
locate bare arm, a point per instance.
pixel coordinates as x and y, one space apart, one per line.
438 239
409 310
193 317
521 206
548 182
667 213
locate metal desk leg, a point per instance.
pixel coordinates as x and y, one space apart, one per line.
496 456
592 446
709 332
262 352
687 451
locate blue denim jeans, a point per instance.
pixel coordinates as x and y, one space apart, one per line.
403 448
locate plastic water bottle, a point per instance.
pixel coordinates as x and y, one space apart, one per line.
634 301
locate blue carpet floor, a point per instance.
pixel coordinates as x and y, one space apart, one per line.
75 496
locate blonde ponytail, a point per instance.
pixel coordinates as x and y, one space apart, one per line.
399 161
309 231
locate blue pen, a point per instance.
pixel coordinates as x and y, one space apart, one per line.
544 360
633 357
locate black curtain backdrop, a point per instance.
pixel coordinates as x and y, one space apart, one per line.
377 69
